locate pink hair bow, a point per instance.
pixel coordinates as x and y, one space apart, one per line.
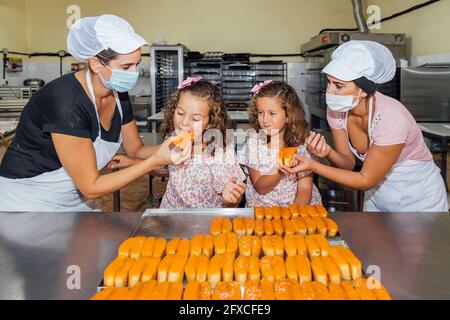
259 86
189 82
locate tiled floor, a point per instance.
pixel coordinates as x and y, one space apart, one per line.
135 193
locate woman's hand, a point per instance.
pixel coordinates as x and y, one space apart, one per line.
232 192
169 154
121 161
300 163
316 145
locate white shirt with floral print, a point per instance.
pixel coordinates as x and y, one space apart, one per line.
257 155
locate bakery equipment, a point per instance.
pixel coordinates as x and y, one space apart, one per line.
166 72
13 99
234 74
34 82
425 92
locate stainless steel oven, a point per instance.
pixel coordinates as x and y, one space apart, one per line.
425 91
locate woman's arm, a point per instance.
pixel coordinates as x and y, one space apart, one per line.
77 156
120 161
132 142
264 184
341 156
304 190
378 163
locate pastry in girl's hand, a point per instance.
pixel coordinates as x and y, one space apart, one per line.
285 156
183 139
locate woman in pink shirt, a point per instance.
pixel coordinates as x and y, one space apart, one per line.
398 173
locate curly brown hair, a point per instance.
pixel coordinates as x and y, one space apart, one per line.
297 128
218 116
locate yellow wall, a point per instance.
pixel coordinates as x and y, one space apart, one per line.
258 26
13 32
427 29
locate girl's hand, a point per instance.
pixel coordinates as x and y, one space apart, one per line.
303 164
284 169
316 145
169 154
232 192
121 161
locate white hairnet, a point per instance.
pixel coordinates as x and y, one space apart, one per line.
90 35
357 58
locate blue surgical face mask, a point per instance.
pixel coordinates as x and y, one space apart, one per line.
121 81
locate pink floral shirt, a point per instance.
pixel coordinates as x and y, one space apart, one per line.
256 155
199 181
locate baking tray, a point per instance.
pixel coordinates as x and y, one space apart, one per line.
186 223
183 223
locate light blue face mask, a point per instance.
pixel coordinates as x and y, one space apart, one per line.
121 81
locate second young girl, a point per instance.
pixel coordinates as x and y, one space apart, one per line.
278 119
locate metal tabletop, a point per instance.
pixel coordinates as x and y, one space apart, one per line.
438 129
411 249
38 249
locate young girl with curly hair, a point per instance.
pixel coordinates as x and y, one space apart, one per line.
210 179
278 121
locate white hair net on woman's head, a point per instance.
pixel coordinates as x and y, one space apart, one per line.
90 35
362 58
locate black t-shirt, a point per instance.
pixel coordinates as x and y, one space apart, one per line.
62 106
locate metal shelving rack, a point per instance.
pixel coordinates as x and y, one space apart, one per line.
236 78
210 70
166 73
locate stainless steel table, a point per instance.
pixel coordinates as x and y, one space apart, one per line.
38 249
411 249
